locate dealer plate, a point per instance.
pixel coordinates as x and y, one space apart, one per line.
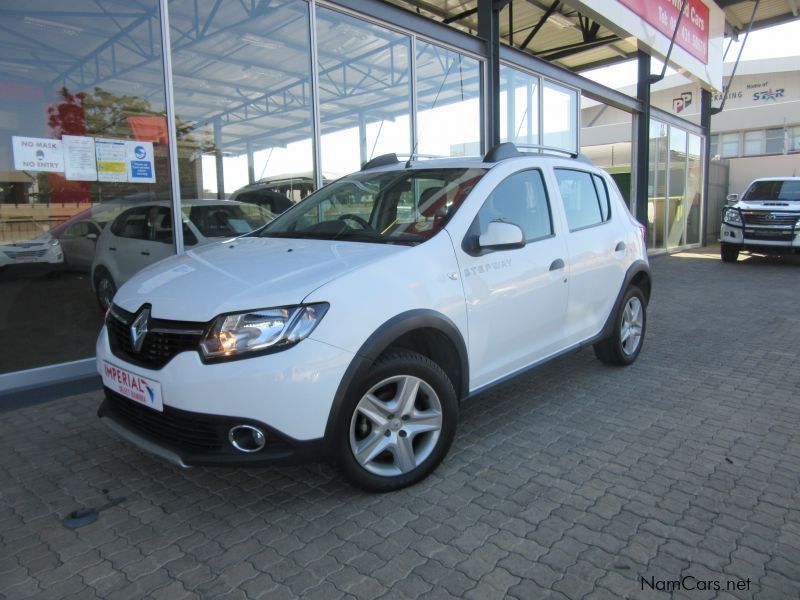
133 386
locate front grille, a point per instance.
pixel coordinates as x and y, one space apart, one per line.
776 235
163 341
769 219
173 426
26 254
193 432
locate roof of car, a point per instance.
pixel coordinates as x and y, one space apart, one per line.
497 155
777 179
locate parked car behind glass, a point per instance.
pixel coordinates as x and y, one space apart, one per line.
142 235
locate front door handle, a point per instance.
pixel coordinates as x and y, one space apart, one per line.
620 247
145 253
557 264
112 248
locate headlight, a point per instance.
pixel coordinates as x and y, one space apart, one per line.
261 330
53 242
732 216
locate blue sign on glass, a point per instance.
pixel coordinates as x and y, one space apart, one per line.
141 169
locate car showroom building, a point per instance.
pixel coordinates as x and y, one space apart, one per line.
113 106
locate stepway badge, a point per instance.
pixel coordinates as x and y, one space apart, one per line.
139 159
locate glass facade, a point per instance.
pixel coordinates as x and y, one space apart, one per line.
560 116
675 187
83 137
448 102
269 100
519 106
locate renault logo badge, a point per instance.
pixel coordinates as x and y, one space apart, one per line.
139 329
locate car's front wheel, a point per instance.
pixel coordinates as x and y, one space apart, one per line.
626 339
105 288
400 423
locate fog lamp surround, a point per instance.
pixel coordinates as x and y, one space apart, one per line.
261 330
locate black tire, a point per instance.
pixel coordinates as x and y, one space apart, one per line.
104 288
397 364
612 350
728 252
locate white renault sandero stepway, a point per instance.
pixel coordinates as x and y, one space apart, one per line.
350 328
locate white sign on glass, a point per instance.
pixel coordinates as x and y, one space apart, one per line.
79 158
111 160
37 154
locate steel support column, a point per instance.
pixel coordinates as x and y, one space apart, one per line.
218 159
489 32
705 123
251 167
642 136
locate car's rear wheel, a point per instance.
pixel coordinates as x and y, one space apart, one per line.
104 288
400 423
626 339
728 252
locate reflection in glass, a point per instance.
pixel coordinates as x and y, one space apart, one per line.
448 102
519 106
364 91
606 135
694 189
676 198
657 185
560 116
242 99
83 91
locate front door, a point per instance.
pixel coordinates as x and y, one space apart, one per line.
517 298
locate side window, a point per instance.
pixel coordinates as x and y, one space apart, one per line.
79 229
582 204
520 199
602 194
132 224
159 223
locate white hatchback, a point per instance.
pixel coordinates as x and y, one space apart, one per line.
351 328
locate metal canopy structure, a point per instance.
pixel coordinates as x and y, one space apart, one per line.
228 86
555 31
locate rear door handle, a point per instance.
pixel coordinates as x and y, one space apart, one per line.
145 253
620 247
112 248
557 264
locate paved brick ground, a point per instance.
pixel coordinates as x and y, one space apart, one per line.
573 482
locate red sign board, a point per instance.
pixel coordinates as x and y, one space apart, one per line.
663 15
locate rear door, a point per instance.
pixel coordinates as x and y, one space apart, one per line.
597 251
516 298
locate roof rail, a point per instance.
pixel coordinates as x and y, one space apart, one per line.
510 150
380 161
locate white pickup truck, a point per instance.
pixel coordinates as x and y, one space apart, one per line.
765 219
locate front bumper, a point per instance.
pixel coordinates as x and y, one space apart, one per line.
759 238
189 439
287 394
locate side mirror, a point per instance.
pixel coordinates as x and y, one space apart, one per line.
91 236
501 236
732 197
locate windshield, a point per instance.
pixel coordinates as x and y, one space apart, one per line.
395 207
774 190
227 220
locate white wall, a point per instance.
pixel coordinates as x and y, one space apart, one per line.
745 170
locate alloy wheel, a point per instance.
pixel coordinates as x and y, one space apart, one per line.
395 425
